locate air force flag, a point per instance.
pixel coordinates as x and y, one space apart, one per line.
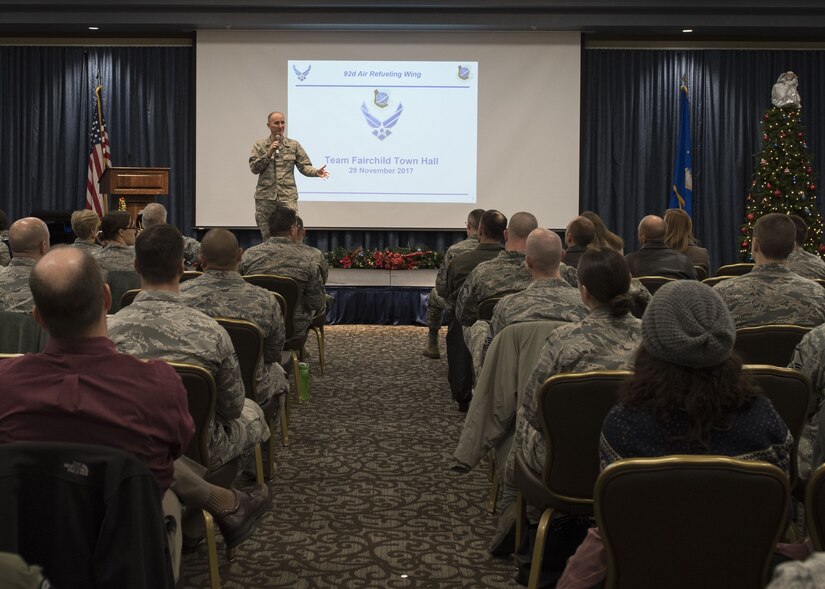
681 194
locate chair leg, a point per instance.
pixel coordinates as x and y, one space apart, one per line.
322 347
270 448
521 522
492 500
259 463
285 422
296 375
211 551
538 550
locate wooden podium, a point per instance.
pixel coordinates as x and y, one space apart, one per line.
139 186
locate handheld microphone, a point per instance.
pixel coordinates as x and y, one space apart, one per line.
278 138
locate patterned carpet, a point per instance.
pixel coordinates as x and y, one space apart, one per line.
363 496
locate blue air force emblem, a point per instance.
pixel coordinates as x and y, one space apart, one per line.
301 75
381 129
463 72
381 99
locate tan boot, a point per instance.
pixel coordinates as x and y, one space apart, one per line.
431 351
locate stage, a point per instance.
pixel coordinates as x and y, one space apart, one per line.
379 297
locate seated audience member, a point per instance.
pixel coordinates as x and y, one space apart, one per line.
603 236
118 230
809 359
29 241
159 325
604 340
459 363
547 298
679 237
436 305
504 273
281 255
222 292
655 258
579 234
687 396
155 214
323 265
116 400
5 254
85 225
799 261
771 292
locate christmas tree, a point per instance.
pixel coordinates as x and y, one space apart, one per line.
783 180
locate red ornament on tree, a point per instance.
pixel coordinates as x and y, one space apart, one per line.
800 134
822 248
768 185
811 186
782 135
765 137
749 216
777 193
746 244
743 229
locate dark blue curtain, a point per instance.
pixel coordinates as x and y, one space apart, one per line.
629 119
46 104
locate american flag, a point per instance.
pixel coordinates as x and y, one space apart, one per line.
99 159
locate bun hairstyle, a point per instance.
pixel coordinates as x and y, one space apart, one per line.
605 274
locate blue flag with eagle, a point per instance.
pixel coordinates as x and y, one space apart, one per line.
681 192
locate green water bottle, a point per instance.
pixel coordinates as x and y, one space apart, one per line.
303 381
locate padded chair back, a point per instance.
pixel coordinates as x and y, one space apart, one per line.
119 282
202 394
20 333
288 289
790 393
768 344
129 297
572 408
248 342
734 269
714 280
654 283
189 275
815 508
89 515
488 305
690 521
701 272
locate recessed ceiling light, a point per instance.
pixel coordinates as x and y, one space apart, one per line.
93 28
687 30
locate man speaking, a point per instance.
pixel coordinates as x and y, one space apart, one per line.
274 160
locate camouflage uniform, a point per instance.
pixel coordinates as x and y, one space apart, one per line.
227 294
191 251
281 256
276 177
89 248
436 305
771 293
507 272
597 342
548 299
15 294
809 359
115 256
323 265
806 264
5 252
158 325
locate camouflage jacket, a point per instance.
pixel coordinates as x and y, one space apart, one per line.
809 359
460 267
507 272
227 294
551 299
88 247
806 264
281 256
465 245
191 251
15 294
597 342
276 176
771 293
5 252
323 265
158 325
115 256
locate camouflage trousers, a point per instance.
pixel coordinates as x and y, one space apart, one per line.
239 436
264 208
475 336
528 443
271 380
435 310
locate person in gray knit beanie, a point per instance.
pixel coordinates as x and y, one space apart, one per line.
688 324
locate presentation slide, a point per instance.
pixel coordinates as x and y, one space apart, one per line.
391 131
415 128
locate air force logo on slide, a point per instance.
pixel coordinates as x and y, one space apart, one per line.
381 129
463 72
301 75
